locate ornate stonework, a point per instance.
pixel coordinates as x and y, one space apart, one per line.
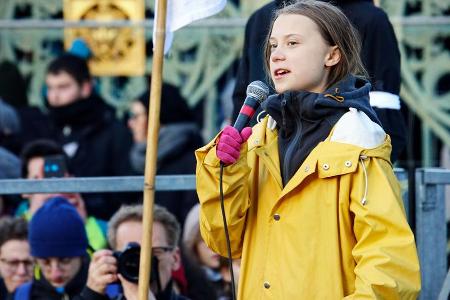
201 58
116 51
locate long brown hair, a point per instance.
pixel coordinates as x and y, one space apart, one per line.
335 29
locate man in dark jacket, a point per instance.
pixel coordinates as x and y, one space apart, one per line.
85 126
380 56
125 227
58 244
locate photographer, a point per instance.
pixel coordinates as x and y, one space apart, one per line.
107 267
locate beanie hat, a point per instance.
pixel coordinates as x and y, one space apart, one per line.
80 48
57 230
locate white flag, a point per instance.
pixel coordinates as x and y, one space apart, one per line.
182 12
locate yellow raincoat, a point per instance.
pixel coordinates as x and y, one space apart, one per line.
337 230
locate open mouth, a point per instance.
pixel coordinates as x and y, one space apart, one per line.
280 73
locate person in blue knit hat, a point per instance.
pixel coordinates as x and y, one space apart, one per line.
59 246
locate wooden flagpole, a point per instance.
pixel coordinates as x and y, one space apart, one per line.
151 152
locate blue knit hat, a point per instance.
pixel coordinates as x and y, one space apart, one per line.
57 230
80 48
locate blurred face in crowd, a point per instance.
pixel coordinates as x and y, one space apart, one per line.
63 89
206 256
168 257
138 121
59 271
35 170
16 264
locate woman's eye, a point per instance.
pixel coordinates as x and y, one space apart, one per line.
273 47
292 43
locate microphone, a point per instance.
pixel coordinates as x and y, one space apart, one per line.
257 92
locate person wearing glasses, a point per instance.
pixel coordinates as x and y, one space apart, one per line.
59 245
125 227
179 136
16 264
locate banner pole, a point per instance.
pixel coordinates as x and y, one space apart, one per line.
151 151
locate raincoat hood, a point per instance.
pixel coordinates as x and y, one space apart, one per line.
350 92
305 118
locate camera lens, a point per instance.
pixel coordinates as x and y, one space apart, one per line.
128 263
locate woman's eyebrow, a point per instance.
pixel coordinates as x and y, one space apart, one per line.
293 35
287 36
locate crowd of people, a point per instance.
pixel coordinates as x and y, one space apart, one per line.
84 246
55 246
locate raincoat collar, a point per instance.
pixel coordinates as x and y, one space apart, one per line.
352 92
335 155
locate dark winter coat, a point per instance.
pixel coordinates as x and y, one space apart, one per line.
96 143
167 294
176 145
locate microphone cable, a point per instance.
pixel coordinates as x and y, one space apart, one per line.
257 91
227 235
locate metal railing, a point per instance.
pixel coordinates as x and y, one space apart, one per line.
431 231
95 184
430 225
206 23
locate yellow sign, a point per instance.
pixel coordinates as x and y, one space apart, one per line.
117 51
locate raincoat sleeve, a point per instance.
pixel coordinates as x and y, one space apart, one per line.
236 199
386 259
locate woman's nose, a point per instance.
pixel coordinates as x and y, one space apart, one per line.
277 54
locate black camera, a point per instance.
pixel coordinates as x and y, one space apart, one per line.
128 263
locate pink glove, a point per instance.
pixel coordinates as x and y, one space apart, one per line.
230 141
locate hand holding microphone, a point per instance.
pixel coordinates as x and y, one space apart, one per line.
230 142
231 139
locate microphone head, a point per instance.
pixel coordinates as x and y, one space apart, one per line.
258 90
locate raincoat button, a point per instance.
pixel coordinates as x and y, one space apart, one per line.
276 217
306 168
325 167
266 285
348 164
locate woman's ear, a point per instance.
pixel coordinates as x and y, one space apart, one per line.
333 56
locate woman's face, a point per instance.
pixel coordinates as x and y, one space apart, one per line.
138 121
16 264
206 256
300 57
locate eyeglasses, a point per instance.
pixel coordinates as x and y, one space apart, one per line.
158 251
13 264
61 263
